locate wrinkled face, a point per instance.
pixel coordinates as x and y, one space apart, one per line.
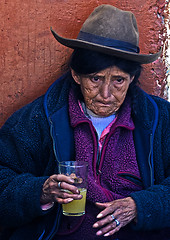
104 91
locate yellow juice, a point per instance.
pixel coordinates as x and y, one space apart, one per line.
76 207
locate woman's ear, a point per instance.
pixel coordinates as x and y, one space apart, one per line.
75 76
131 79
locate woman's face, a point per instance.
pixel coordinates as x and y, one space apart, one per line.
104 91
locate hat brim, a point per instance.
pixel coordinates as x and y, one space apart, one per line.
77 43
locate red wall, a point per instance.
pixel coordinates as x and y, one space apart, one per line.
31 59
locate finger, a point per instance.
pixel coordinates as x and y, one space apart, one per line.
102 205
65 197
111 227
53 193
104 221
112 231
52 184
65 194
62 178
55 181
64 201
107 211
69 188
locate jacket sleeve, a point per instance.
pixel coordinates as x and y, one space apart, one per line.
24 153
153 204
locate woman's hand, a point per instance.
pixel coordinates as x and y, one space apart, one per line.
56 189
115 215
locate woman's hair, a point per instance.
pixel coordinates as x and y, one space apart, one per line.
85 61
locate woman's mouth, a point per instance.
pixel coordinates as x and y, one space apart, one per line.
103 103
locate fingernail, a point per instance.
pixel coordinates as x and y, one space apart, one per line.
95 225
99 215
107 234
99 233
70 200
80 196
71 180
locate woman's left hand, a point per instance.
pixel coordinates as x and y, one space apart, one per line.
116 214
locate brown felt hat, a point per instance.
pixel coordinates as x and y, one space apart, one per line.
111 31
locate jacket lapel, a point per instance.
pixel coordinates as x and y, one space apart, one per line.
62 135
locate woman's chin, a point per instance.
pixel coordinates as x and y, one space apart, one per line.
104 112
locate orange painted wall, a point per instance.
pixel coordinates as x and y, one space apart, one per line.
31 59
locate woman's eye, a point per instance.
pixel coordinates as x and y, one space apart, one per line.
95 79
119 80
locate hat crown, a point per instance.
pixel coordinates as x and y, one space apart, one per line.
111 31
110 22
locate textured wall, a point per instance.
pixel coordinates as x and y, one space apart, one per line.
31 59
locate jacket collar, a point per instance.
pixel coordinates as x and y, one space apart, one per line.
146 110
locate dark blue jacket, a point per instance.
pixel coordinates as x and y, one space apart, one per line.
36 137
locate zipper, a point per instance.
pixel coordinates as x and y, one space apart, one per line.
98 171
98 166
101 156
96 147
98 156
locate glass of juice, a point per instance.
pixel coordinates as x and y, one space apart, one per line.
78 171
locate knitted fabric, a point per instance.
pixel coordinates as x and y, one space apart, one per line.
117 159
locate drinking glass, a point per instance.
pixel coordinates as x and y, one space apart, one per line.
78 171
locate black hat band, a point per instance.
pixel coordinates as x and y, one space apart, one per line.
126 46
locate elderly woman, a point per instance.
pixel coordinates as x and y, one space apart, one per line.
94 113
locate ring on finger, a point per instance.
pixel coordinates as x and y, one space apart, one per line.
59 185
117 222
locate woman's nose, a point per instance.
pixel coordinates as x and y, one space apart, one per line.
105 90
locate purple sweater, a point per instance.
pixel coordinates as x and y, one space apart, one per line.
106 179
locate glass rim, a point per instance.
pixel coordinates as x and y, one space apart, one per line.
80 164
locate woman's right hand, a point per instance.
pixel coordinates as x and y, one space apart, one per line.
52 191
